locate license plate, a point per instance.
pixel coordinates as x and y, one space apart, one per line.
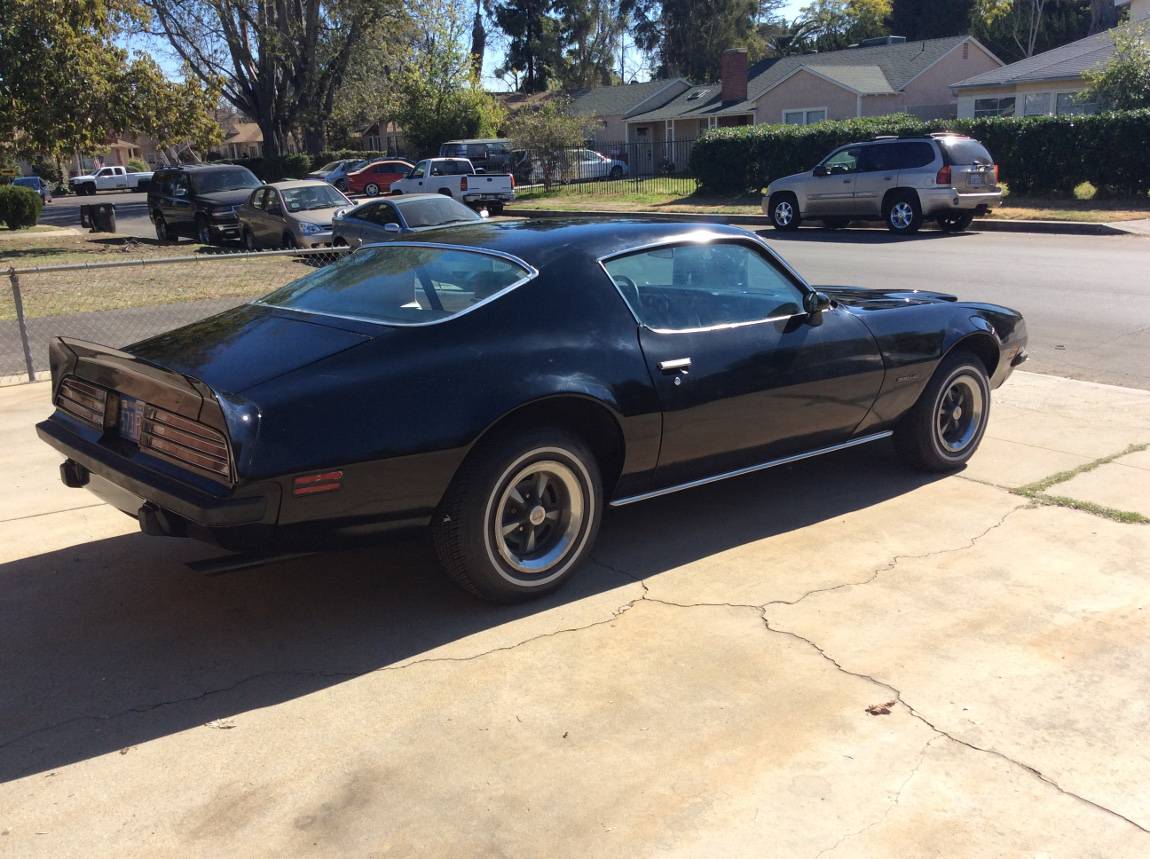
131 416
975 179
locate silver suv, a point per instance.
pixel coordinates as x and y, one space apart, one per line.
900 180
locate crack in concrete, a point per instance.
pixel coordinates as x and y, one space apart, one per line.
889 808
52 512
1114 339
894 562
917 715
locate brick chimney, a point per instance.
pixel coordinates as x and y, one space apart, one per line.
733 72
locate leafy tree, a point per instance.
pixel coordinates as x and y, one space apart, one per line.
533 46
930 19
65 86
590 30
688 36
838 24
437 96
281 63
1124 82
1017 29
548 131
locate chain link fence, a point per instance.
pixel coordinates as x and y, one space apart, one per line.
119 303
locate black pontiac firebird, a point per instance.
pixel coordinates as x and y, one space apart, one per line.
502 382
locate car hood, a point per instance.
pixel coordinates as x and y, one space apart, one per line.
880 299
228 198
246 346
323 217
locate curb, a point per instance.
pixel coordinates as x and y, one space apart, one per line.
989 225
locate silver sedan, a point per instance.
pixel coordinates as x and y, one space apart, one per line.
294 214
380 220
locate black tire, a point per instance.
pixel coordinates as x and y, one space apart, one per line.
203 230
944 427
616 173
785 211
289 242
955 222
341 185
163 234
90 189
249 240
371 189
446 192
495 209
497 541
902 213
339 242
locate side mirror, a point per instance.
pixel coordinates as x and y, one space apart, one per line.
816 302
820 171
391 228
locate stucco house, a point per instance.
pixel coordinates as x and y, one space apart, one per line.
881 76
612 106
1050 83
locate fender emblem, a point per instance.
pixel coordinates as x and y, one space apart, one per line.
907 378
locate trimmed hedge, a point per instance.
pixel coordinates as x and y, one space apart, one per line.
274 168
19 206
1035 154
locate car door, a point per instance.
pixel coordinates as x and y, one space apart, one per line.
272 220
375 226
251 215
178 206
743 374
877 174
355 224
830 191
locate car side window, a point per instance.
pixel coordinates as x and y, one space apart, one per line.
417 171
180 185
272 203
686 287
846 161
879 156
365 213
914 154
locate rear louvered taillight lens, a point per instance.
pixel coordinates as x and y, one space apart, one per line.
83 400
463 184
187 441
995 174
943 177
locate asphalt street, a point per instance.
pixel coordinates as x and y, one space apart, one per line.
131 212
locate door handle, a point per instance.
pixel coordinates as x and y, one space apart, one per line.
675 365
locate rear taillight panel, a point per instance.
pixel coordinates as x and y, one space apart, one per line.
83 401
187 442
944 176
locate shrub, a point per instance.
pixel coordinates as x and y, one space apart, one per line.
275 168
1035 154
135 165
19 207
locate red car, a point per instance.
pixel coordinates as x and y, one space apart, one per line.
375 179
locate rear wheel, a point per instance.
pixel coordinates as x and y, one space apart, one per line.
943 429
903 214
494 209
785 211
289 242
249 240
163 234
341 184
371 189
616 172
956 222
520 516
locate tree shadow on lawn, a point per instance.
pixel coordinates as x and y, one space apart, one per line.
112 643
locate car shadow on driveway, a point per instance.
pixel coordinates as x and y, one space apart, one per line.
112 643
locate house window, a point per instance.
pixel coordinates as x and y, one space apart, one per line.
993 107
1076 103
641 132
805 116
1036 104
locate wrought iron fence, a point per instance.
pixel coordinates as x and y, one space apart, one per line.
613 169
119 303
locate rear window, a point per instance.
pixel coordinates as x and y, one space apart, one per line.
963 150
398 284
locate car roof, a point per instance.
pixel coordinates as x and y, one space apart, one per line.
202 168
538 241
297 183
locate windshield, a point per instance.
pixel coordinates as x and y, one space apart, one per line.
223 180
309 197
328 168
402 284
435 212
27 181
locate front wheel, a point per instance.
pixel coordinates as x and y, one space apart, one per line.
616 173
163 234
785 212
520 516
371 189
955 222
341 184
203 231
943 429
249 239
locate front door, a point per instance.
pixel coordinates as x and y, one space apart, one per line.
833 192
743 374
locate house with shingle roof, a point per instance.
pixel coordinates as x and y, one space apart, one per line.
612 105
1049 83
893 76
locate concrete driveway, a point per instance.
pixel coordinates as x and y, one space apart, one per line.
837 658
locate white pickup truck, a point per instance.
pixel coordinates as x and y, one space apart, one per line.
110 179
456 178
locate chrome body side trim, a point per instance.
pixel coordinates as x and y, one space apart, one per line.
752 468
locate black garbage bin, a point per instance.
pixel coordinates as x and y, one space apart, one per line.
99 217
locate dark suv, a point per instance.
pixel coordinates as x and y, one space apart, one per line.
488 156
945 177
199 201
